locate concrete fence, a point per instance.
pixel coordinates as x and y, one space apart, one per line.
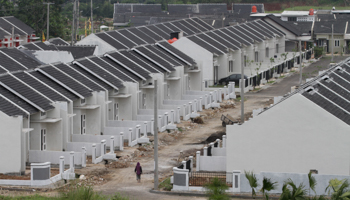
77 138
213 158
40 174
36 156
77 146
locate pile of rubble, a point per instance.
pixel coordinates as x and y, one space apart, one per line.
227 104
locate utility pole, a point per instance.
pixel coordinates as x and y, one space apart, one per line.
73 22
300 67
155 126
333 43
48 19
92 25
78 17
242 87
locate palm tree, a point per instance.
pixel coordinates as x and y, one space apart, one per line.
312 182
333 185
216 189
253 181
341 192
267 185
291 192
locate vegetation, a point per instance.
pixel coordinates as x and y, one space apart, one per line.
166 185
216 189
312 182
267 185
253 181
291 192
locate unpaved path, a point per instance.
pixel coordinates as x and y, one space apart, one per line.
123 180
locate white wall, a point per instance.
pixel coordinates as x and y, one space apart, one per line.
102 46
10 144
203 57
292 137
54 56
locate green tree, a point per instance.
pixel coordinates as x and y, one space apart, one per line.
216 189
291 192
253 181
267 185
340 189
312 182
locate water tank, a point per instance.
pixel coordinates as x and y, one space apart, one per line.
311 11
170 41
254 10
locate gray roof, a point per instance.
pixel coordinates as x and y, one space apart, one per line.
20 28
326 27
78 51
13 59
284 24
58 41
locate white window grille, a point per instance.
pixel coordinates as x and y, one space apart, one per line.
43 139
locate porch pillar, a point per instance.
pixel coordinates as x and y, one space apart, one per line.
93 153
200 104
198 155
83 157
61 165
152 126
191 164
103 147
137 132
172 116
178 115
184 112
224 141
121 142
130 137
160 122
111 144
71 161
184 164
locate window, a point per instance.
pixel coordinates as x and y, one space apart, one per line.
116 113
267 52
42 114
230 66
336 43
245 61
83 124
43 139
82 101
276 48
293 19
256 57
144 100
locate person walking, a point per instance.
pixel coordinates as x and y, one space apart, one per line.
138 171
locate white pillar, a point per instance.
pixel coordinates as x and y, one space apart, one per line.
144 128
205 151
211 97
220 95
83 157
111 144
172 116
224 141
138 131
184 164
61 165
152 126
191 159
71 161
218 141
130 137
198 155
184 112
178 115
121 142
200 104
195 107
189 107
166 120
225 90
103 147
93 154
160 122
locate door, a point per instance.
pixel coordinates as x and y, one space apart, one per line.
116 113
83 124
43 139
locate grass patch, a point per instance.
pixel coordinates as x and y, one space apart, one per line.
32 197
292 71
166 185
307 8
270 82
179 129
239 99
256 89
281 76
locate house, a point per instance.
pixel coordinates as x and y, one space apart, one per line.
13 32
288 15
300 135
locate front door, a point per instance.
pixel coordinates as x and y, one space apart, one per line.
43 139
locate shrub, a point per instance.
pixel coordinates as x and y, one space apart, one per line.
318 51
216 189
166 185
